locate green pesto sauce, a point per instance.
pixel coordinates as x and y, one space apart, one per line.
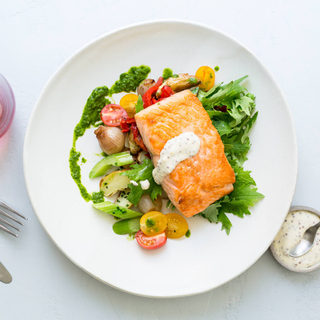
167 73
193 81
216 68
130 80
97 197
76 173
188 233
91 117
83 160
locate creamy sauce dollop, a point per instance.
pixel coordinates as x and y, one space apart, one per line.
290 235
135 183
177 149
145 184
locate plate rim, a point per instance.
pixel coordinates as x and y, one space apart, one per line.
118 30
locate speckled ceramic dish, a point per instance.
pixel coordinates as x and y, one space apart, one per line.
209 258
305 270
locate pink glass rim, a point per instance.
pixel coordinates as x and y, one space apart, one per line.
8 105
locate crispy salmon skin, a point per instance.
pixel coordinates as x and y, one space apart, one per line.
196 182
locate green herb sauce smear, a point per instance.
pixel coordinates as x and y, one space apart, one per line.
127 82
216 68
167 73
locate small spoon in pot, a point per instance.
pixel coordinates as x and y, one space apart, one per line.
306 243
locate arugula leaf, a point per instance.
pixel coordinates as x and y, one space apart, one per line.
226 223
170 205
233 127
139 104
222 127
138 173
212 212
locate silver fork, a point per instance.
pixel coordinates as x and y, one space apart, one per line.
5 210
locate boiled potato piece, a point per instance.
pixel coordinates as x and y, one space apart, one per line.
122 199
113 183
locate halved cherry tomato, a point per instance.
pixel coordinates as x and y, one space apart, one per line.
153 223
177 225
128 103
207 77
112 114
151 243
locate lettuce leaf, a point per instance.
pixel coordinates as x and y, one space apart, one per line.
233 127
140 172
139 104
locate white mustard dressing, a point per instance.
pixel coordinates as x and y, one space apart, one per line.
177 149
290 235
135 183
145 184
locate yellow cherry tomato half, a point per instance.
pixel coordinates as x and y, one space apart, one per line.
177 226
153 223
207 77
128 103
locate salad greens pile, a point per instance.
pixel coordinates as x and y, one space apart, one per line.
232 111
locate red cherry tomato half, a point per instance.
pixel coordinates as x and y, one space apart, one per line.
153 242
112 114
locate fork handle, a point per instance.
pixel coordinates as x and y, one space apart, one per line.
5 275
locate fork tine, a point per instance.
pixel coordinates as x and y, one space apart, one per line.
8 231
12 218
5 206
9 224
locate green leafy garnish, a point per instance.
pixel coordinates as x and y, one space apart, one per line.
231 110
139 104
140 172
170 205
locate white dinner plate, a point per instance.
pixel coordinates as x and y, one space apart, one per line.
209 258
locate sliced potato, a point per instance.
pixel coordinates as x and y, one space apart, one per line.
113 183
122 199
142 155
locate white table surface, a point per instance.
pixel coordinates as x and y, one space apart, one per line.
36 36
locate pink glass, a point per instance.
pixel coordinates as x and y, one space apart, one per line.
7 105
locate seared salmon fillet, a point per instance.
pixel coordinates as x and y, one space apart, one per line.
196 182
